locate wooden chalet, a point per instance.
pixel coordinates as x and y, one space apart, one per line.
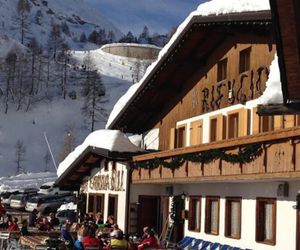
226 174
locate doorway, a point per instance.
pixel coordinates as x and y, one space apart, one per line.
113 207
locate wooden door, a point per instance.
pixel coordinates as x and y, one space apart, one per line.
148 212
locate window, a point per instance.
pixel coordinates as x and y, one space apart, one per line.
245 60
213 129
114 166
233 125
196 133
266 220
266 123
95 203
194 213
233 218
212 208
222 70
180 137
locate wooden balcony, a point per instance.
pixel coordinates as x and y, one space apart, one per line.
279 159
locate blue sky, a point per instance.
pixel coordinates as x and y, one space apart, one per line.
159 15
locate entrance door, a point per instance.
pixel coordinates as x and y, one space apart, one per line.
113 207
148 212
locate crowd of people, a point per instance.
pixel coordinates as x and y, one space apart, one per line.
91 231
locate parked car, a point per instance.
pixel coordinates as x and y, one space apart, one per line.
19 200
6 197
47 203
50 188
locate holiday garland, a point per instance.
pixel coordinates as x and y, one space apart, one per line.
246 154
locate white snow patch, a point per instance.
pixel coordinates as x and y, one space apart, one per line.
214 7
34 180
68 206
273 91
112 140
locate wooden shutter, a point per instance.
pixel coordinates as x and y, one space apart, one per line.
243 122
289 121
221 127
255 121
278 122
172 138
196 133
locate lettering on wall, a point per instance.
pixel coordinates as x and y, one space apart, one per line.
115 182
238 91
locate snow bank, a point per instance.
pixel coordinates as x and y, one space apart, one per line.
68 206
273 91
214 7
28 180
112 140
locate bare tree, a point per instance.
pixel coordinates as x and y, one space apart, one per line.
69 144
47 158
20 156
93 90
23 9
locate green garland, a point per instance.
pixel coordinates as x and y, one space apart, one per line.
246 154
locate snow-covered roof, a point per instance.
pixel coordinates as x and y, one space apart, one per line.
111 140
273 91
214 7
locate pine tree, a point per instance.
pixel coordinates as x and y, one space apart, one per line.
83 38
23 9
144 36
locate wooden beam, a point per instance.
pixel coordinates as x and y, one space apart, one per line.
223 178
278 109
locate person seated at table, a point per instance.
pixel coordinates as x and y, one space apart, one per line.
65 234
39 219
8 219
115 230
45 225
110 221
118 242
99 218
90 239
24 228
149 240
80 233
13 225
32 218
54 221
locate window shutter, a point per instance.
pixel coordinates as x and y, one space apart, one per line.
243 122
255 121
221 127
172 138
278 122
196 133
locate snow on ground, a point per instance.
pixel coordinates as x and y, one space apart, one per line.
214 7
20 181
112 140
68 206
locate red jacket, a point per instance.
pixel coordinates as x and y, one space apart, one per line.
90 241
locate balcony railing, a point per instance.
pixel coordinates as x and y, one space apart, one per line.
279 158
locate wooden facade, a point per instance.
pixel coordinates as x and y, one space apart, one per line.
279 158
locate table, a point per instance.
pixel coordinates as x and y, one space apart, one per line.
34 241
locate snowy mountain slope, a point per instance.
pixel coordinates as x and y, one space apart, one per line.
79 17
55 117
